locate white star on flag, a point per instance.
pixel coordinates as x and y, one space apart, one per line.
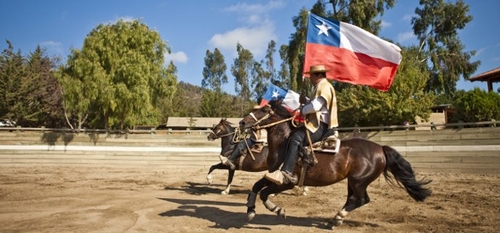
276 94
323 28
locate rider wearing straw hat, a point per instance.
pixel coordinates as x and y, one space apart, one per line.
320 114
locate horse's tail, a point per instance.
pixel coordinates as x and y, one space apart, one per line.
404 175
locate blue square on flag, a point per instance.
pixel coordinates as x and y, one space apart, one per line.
274 93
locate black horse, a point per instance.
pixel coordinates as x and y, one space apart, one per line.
226 132
359 160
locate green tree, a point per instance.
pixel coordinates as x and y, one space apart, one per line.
263 72
241 70
12 71
165 97
41 97
295 49
364 106
124 63
477 105
362 13
436 26
214 72
30 93
283 78
214 102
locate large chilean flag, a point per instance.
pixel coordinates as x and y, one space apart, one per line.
352 54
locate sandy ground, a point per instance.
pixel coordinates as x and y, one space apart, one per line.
155 199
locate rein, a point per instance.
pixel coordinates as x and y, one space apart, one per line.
221 136
257 121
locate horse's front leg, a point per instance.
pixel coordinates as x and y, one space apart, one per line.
212 168
230 176
252 196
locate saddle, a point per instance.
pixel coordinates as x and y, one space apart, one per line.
330 143
256 148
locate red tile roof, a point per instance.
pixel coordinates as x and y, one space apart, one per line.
493 75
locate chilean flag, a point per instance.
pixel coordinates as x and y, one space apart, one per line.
352 54
290 98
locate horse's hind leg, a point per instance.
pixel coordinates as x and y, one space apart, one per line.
357 196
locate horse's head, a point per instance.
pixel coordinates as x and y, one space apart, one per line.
223 128
265 115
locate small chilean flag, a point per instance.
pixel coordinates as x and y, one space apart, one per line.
352 54
291 99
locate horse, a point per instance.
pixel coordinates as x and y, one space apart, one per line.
226 132
358 160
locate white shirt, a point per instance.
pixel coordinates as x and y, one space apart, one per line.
317 105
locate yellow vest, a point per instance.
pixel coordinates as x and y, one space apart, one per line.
325 89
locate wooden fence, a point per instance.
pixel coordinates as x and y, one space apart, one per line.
458 149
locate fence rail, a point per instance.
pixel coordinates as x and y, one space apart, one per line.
152 130
464 147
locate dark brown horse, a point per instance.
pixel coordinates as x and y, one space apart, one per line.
359 160
226 132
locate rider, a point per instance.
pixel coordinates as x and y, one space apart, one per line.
257 136
321 115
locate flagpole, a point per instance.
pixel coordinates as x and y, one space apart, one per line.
305 52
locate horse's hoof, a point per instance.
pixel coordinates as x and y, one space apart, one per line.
224 192
281 212
333 223
250 215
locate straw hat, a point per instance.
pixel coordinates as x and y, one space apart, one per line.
317 69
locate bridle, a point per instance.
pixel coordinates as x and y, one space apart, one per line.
268 115
216 134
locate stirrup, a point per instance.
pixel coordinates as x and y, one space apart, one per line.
290 177
223 159
275 177
230 164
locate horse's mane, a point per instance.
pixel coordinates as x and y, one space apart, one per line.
277 106
226 123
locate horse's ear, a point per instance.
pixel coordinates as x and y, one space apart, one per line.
223 119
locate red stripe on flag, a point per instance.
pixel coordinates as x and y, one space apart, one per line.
350 67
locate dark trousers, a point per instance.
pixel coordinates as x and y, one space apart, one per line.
299 138
239 148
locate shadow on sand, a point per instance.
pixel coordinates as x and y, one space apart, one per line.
214 211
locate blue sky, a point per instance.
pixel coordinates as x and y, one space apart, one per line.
192 27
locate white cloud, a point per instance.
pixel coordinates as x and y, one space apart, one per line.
405 36
124 18
253 38
52 47
479 52
255 8
255 32
407 17
177 57
385 24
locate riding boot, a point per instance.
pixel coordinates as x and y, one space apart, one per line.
289 166
238 150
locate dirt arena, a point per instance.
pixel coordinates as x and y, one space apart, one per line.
53 198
